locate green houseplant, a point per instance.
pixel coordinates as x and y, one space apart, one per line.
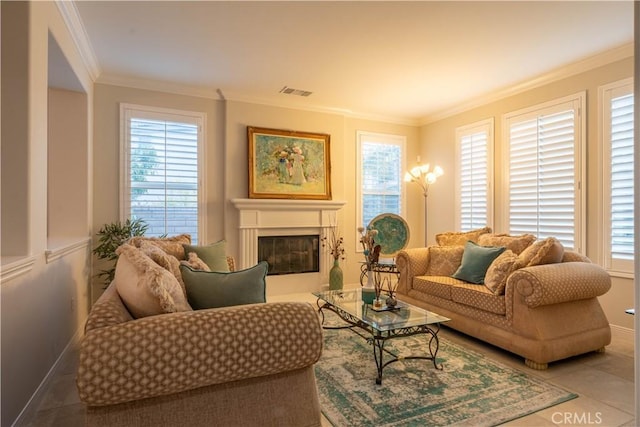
113 235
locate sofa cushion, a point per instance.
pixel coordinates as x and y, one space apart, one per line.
146 288
547 251
453 238
475 262
171 245
214 255
516 244
444 260
498 272
210 289
439 286
194 262
164 260
478 296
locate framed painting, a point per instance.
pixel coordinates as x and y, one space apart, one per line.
285 164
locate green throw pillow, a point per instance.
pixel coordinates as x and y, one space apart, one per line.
214 255
476 260
210 289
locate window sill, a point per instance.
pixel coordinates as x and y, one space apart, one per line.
620 274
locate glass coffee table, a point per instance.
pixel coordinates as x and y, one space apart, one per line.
380 325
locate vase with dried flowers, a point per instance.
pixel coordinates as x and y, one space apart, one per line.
371 254
336 248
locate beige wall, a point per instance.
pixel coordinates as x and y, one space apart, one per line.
438 145
44 307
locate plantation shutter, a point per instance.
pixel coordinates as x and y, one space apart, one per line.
161 184
381 179
473 181
542 174
622 178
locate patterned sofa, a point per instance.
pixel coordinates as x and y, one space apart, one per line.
243 365
537 300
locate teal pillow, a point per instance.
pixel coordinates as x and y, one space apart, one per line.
211 289
214 255
476 260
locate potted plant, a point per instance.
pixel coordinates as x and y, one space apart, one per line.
111 237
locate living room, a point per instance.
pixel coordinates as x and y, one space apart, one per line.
49 220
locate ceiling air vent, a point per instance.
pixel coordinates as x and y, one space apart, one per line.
291 91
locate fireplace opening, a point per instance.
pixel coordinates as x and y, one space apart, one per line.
290 254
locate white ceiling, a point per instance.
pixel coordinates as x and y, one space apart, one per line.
395 60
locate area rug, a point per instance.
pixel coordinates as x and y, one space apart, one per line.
471 390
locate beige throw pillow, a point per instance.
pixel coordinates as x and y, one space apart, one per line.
164 260
444 260
146 288
516 244
195 262
499 270
453 238
171 245
547 251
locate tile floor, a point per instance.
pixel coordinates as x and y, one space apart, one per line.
603 381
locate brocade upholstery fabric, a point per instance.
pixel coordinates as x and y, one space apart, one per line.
455 238
547 251
516 244
172 353
500 269
444 260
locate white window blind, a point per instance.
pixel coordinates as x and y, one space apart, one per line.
618 105
161 171
380 170
474 196
545 172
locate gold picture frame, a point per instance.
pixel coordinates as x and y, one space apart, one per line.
286 164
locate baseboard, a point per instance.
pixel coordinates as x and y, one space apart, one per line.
623 334
32 405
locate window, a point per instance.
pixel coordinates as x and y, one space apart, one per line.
617 147
380 172
545 146
161 177
474 176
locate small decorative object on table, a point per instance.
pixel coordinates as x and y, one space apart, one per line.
336 246
391 291
369 246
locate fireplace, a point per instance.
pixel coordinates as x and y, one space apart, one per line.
259 218
290 254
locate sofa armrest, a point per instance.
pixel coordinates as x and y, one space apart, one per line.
555 283
410 263
171 353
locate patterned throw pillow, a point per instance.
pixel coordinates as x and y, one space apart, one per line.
499 270
171 245
475 262
146 288
444 260
211 289
214 255
460 238
516 244
547 251
194 262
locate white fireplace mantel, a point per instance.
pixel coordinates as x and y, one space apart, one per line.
261 217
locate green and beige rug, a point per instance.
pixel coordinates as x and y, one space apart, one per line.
471 390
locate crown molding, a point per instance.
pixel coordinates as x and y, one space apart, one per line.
79 35
572 69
